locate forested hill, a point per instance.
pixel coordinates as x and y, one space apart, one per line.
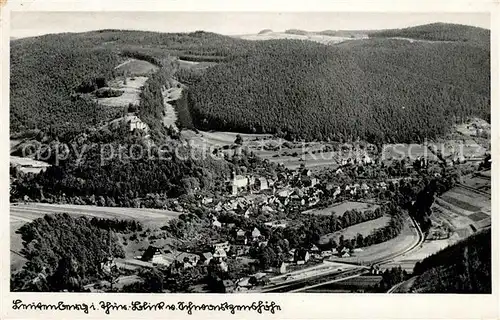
375 89
461 268
440 32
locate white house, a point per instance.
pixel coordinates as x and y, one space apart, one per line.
222 246
240 181
220 254
255 234
207 200
282 268
262 183
367 159
136 123
337 192
216 223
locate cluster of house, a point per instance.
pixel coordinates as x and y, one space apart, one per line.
362 159
170 257
217 256
240 183
174 259
251 193
131 120
356 188
295 189
477 128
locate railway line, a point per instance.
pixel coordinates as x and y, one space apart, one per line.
398 254
313 282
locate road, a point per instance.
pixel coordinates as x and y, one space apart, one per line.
395 288
417 244
311 282
327 282
323 279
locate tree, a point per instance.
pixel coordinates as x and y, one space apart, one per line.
65 276
359 240
238 140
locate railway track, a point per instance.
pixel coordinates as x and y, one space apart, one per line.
311 282
395 255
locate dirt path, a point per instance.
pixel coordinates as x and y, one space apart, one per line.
170 117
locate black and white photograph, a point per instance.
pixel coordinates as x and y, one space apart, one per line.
250 152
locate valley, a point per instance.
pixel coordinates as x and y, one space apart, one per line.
290 161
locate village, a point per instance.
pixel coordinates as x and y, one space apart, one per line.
254 208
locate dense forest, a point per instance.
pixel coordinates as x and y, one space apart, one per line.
137 176
376 90
46 72
440 32
464 267
120 180
64 252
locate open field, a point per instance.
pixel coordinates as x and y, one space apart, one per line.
459 203
170 116
277 150
450 216
364 228
470 196
31 211
323 39
339 209
131 92
135 67
465 207
199 65
480 183
28 165
401 151
478 216
375 253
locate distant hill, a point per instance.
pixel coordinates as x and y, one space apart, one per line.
464 267
265 31
297 32
344 33
440 32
